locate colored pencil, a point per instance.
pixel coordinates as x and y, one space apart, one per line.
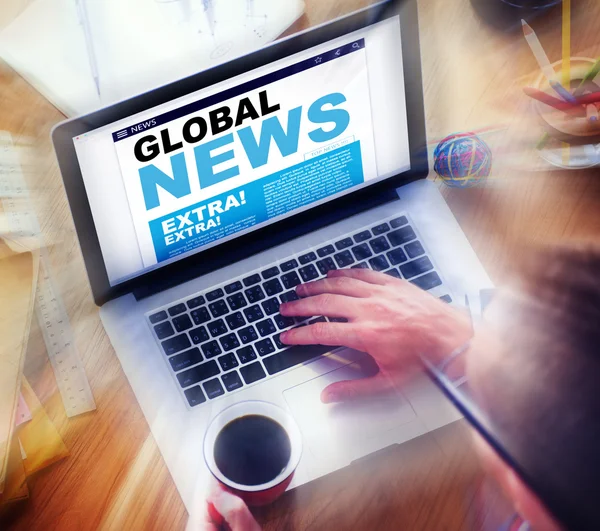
592 113
563 92
538 51
566 45
590 76
586 99
553 102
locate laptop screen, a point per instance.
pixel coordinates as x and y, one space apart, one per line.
208 167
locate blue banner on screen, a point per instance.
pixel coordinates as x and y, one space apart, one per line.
272 196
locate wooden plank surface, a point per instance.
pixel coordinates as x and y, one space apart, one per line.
115 477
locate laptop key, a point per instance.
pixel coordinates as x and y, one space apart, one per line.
414 249
362 265
213 388
338 320
236 301
195 302
327 250
290 280
344 259
218 308
158 317
246 354
176 344
182 322
231 381
211 349
163 330
270 306
214 294
255 294
248 334
344 244
379 263
251 280
399 222
294 356
380 229
446 298
217 327
361 252
397 256
272 287
186 359
393 273
265 327
265 347
327 264
317 320
200 316
324 251
283 322
229 342
198 373
233 287
228 361
307 258
308 273
428 281
416 267
362 236
270 273
177 309
289 265
235 320
253 372
379 245
195 396
254 313
199 335
402 235
289 297
278 342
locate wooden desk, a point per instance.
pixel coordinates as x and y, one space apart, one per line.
115 477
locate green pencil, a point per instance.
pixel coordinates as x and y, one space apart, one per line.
592 73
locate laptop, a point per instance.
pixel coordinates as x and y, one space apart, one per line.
201 205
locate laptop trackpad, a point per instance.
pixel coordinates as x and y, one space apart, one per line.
337 434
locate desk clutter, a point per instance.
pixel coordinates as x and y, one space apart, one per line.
29 440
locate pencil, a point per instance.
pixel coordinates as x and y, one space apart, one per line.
592 114
586 99
538 51
566 45
563 92
552 101
589 76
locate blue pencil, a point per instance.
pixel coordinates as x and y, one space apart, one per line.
563 92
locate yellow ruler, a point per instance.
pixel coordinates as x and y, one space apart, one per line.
21 221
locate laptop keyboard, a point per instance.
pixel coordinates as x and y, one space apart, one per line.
226 338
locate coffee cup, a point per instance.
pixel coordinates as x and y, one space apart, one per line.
253 449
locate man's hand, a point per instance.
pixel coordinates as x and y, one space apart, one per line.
390 319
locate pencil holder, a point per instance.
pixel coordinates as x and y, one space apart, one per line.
560 127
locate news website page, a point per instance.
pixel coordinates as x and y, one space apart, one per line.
216 164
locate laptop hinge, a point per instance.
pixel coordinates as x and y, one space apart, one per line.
230 254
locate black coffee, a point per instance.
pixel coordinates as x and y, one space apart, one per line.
252 450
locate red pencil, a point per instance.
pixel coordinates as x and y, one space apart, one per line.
560 105
587 99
